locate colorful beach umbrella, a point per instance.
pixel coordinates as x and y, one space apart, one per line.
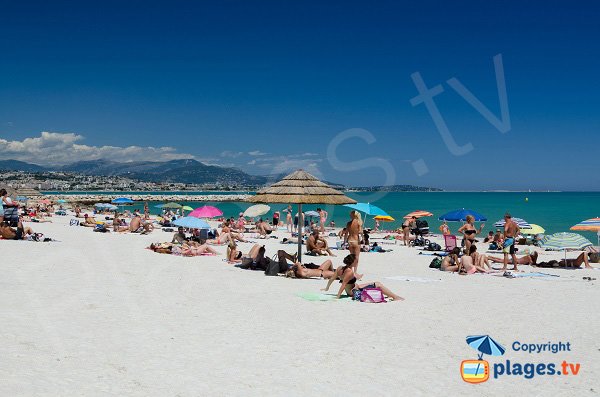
485 345
590 225
207 211
523 224
418 214
461 216
191 222
367 208
533 229
257 210
384 218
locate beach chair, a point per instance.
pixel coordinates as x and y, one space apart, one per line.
450 242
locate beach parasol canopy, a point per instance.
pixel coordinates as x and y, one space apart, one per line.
418 214
191 222
300 187
565 241
207 211
461 216
61 201
187 208
106 206
485 345
257 210
590 225
522 223
122 200
367 208
311 214
384 218
533 229
169 205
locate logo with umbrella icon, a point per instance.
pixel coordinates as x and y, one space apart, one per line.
478 371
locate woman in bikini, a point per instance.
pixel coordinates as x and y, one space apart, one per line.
469 232
298 270
354 228
406 226
234 255
192 248
445 229
480 260
450 263
348 280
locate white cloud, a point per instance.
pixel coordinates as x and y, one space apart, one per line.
257 153
54 148
230 154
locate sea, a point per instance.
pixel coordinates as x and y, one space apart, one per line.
554 211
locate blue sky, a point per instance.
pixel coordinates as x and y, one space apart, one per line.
268 86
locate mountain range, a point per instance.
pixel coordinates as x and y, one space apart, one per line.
174 171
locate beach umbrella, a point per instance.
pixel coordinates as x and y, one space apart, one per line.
384 218
207 211
533 229
61 201
311 214
170 205
461 216
418 214
191 222
485 345
565 241
367 208
300 187
523 224
122 201
187 208
257 210
590 225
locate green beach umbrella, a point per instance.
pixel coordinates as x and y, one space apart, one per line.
171 205
187 208
565 241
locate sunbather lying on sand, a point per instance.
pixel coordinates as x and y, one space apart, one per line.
524 260
348 280
226 238
90 221
577 262
20 233
192 248
263 228
298 270
234 255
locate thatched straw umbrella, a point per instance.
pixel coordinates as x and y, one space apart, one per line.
300 187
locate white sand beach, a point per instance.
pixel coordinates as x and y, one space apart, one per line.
98 314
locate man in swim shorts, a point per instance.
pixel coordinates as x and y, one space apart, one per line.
511 229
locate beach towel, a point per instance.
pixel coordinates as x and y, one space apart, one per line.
317 296
415 279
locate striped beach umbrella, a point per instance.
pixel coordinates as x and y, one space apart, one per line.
534 229
590 225
418 214
565 241
522 223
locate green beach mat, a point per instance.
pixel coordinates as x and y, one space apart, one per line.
317 296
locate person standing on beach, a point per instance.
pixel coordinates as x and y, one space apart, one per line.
146 211
354 228
511 229
288 219
408 224
322 218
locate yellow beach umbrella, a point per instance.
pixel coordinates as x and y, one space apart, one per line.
534 229
384 218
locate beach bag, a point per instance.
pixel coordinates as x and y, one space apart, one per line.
372 295
74 222
276 267
433 247
436 263
594 257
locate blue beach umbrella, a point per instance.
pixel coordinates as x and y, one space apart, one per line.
122 200
367 208
485 345
461 216
191 222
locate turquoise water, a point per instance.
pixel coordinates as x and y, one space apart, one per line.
555 211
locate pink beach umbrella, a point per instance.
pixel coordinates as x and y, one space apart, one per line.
207 211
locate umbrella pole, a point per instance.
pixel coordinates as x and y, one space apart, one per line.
300 229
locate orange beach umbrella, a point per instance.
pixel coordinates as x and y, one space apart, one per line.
418 214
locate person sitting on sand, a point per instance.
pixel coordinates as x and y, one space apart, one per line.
179 237
467 266
489 238
479 260
89 221
137 225
348 279
317 245
451 262
20 233
263 228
